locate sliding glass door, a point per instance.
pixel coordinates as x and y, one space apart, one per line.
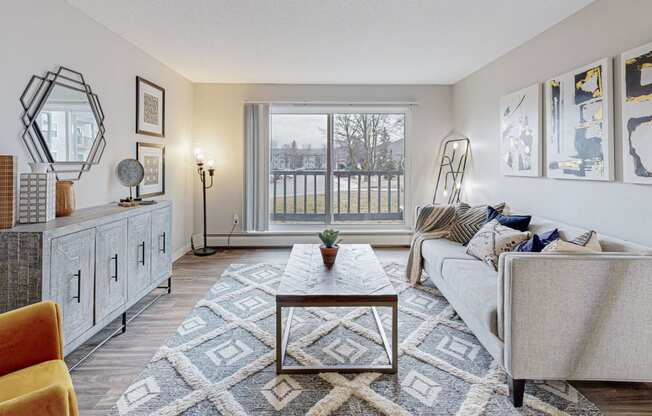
368 169
337 167
298 168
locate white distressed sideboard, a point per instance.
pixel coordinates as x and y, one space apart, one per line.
96 264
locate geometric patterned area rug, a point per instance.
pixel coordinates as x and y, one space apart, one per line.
221 360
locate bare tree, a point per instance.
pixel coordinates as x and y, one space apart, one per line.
367 139
345 135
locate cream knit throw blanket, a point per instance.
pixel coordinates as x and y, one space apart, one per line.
433 222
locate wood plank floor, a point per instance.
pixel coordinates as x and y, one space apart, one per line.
100 380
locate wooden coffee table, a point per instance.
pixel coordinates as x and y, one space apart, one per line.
356 279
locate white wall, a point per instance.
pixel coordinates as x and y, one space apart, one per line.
604 28
219 126
40 35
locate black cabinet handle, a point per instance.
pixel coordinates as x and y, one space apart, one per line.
162 250
115 259
143 260
78 297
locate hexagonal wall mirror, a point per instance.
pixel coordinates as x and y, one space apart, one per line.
63 123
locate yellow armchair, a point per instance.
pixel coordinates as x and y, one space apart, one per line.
34 379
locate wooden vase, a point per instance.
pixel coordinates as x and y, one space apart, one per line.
65 198
328 254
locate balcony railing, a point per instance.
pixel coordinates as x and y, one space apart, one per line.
354 195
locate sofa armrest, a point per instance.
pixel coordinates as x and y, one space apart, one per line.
30 335
48 401
582 316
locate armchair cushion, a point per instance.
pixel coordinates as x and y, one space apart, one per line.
49 401
21 385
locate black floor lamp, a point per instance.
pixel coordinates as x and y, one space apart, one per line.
199 160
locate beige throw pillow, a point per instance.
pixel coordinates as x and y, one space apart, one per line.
584 243
589 240
493 239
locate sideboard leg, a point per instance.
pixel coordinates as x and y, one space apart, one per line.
124 322
168 288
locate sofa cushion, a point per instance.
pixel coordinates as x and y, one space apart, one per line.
435 252
477 285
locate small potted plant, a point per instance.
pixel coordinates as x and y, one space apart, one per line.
330 238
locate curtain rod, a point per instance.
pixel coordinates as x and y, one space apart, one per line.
345 103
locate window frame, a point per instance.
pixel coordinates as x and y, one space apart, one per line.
330 110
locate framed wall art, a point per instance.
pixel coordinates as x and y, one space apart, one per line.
152 157
579 129
520 132
636 87
150 108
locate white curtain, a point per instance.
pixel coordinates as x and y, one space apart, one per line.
256 162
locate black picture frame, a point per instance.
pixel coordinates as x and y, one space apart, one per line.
139 128
139 147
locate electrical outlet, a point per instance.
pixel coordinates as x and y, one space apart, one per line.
236 219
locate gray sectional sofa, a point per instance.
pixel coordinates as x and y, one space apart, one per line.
554 316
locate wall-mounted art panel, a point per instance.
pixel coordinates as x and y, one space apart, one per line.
579 130
520 132
636 87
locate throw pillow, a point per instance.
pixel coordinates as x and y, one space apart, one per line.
533 245
536 243
585 243
563 246
517 222
549 236
494 239
468 220
589 239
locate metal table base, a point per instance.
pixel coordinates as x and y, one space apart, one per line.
283 336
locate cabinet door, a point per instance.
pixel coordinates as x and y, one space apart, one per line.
161 244
139 239
72 280
110 268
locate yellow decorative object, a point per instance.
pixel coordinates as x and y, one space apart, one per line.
34 379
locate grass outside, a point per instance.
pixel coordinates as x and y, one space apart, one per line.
344 206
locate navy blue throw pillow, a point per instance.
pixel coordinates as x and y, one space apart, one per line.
549 237
536 243
517 222
533 245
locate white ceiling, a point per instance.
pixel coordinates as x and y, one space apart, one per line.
328 41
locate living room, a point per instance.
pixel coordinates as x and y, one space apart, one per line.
326 208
